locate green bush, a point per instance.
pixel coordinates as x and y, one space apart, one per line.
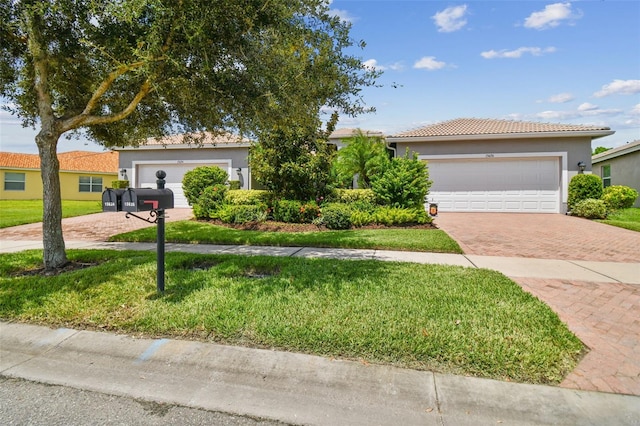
244 197
361 218
404 183
619 197
287 211
239 214
582 187
336 216
120 184
309 212
349 196
590 209
234 184
209 202
390 216
196 180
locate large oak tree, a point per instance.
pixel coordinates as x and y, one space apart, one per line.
121 71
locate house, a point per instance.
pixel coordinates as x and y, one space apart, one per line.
475 164
479 165
619 166
83 175
176 156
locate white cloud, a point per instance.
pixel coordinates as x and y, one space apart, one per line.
635 110
587 107
619 87
429 63
451 19
535 51
374 65
561 98
551 16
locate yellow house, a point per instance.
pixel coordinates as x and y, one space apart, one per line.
83 175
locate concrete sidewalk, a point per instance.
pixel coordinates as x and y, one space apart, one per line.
292 388
604 272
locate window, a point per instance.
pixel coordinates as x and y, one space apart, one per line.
14 181
606 175
90 184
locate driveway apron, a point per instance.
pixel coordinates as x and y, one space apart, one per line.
605 316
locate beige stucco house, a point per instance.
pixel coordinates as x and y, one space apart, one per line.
619 166
83 175
475 164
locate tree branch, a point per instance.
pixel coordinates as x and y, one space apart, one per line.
91 120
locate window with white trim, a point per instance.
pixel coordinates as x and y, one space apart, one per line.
606 175
14 181
90 184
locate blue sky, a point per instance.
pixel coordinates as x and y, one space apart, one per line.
562 62
572 62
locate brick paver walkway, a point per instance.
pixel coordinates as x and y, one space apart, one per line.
606 317
94 227
544 236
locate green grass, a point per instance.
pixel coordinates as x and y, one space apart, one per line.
625 218
431 240
442 318
20 212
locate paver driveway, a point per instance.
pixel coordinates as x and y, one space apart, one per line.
93 227
543 236
605 316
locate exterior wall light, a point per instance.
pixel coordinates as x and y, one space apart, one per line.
581 166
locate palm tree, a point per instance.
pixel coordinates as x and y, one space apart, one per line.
364 156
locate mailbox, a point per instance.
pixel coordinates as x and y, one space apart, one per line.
112 200
146 199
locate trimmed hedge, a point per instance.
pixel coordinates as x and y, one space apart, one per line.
590 209
619 197
244 197
582 187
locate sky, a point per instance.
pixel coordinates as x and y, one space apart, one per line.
571 62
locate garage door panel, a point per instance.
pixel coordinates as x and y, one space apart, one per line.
518 185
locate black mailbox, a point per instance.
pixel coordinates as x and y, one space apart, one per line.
112 200
146 199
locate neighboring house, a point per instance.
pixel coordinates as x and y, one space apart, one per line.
475 164
479 165
619 166
83 175
176 157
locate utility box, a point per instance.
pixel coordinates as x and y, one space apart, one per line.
112 200
146 199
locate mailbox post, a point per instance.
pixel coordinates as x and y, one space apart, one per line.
154 201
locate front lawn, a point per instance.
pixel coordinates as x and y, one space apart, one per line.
625 218
442 318
20 212
429 240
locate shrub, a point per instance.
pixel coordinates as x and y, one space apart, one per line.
249 213
309 211
120 184
336 216
583 187
234 184
244 197
287 211
349 196
196 180
209 202
361 218
390 216
619 197
405 183
590 209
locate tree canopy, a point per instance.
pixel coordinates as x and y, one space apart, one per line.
364 155
122 71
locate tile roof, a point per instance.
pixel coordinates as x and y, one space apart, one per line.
224 139
347 133
73 161
477 126
616 152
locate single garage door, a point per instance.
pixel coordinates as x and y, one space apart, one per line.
496 185
146 177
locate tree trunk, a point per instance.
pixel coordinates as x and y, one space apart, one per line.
54 255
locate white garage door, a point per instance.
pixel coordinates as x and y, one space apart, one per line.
496 185
146 177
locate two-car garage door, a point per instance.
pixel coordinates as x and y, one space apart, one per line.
146 177
496 184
